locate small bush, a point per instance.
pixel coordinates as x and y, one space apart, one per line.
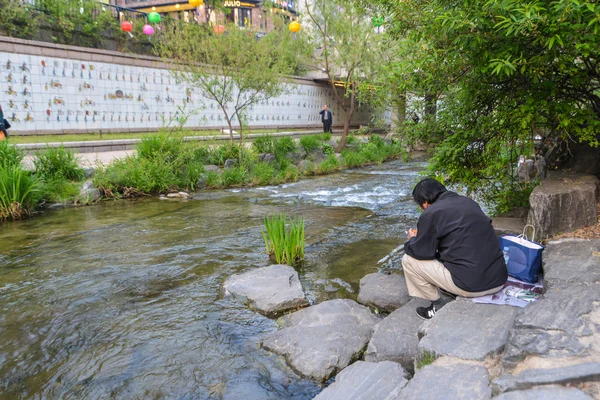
58 190
288 174
232 177
354 159
262 174
10 155
325 137
283 146
310 143
377 141
328 149
57 163
285 246
332 163
372 153
263 144
213 180
155 146
18 192
351 139
222 153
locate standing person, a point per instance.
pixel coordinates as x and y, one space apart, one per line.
455 249
326 119
4 125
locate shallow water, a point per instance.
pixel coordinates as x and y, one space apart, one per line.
122 299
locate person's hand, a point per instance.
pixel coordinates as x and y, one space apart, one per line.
412 233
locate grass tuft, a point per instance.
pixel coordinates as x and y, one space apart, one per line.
285 246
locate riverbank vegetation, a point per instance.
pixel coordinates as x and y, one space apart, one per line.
167 164
284 239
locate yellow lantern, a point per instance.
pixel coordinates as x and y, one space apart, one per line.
294 26
196 3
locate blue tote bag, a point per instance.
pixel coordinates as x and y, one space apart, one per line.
524 256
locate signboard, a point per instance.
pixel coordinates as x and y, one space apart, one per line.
237 4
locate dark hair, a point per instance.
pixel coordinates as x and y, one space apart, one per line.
428 190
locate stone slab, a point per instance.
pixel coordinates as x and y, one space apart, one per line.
270 290
449 381
572 261
321 340
467 330
564 324
366 381
545 393
574 374
384 292
396 337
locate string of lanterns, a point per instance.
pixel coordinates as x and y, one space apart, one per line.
154 18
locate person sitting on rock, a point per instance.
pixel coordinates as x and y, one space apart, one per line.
454 248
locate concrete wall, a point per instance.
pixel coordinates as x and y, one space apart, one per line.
50 89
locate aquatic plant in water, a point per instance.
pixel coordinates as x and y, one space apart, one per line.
285 246
17 192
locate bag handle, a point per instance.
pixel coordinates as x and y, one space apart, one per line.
523 235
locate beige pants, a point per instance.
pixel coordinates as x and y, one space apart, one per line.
424 277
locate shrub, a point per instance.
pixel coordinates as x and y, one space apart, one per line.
351 139
17 20
325 137
237 176
353 159
155 146
262 174
18 192
283 146
10 155
285 246
213 179
222 153
310 143
58 190
377 141
263 144
57 162
371 153
288 174
328 149
332 163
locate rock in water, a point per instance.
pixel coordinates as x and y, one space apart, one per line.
396 337
467 330
178 195
384 292
563 203
319 341
271 290
449 380
572 261
365 381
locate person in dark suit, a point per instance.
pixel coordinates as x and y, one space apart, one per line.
326 119
4 125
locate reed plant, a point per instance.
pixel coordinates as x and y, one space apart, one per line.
57 162
10 155
18 189
284 245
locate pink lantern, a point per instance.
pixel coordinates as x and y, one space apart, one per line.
148 30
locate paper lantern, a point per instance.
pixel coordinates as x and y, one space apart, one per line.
196 3
219 29
126 26
154 17
294 26
148 30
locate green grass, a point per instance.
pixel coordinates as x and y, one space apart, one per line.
284 246
425 359
57 163
18 192
10 155
310 143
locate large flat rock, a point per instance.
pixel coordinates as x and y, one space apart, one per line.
563 203
321 340
545 393
565 324
574 374
270 290
449 380
572 261
384 292
367 381
396 337
467 330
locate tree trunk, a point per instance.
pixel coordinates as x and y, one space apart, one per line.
430 106
228 124
401 109
347 121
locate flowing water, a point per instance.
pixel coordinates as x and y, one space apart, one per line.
122 299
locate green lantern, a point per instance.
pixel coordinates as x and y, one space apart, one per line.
154 17
377 21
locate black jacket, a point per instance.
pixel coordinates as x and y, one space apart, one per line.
329 115
455 231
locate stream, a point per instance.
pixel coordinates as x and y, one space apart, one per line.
122 299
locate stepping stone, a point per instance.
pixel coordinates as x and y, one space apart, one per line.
574 374
270 290
572 261
467 330
366 381
563 325
396 337
449 380
545 393
384 292
321 340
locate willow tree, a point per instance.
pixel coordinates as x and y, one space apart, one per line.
349 51
234 68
